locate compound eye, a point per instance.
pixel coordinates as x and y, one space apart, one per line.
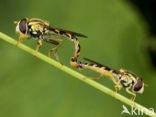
23 26
138 86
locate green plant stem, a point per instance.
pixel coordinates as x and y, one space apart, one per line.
78 75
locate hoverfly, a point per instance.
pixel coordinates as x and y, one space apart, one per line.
121 78
42 31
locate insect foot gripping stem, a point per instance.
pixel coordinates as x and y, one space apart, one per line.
53 52
117 87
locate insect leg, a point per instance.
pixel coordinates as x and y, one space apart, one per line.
53 51
21 39
133 94
117 87
39 44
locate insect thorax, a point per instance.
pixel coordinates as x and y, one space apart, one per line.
37 29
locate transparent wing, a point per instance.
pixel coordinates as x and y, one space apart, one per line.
71 32
101 65
66 32
53 38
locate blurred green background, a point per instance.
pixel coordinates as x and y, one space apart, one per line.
116 37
